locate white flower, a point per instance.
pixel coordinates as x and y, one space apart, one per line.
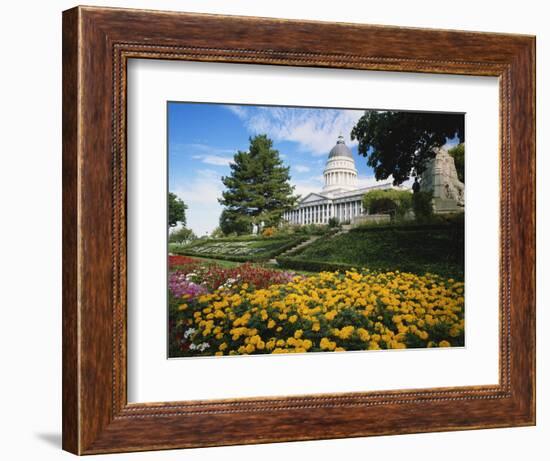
203 346
189 332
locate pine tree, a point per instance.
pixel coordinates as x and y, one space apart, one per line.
258 188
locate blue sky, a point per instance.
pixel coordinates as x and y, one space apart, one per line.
202 139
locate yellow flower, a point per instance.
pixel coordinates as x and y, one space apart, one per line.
363 334
298 333
271 323
182 307
346 332
373 345
293 318
454 331
444 343
327 344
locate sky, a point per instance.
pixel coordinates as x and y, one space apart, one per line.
203 138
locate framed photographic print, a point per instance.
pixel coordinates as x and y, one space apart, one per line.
284 230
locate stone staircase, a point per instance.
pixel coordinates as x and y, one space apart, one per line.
309 241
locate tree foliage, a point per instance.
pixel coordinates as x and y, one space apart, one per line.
388 201
457 153
400 143
232 222
176 210
257 190
182 235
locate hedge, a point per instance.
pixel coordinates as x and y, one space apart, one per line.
289 262
295 263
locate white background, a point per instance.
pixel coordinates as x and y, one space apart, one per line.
30 243
153 378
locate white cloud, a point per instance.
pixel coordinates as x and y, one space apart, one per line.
239 111
301 168
315 130
200 149
306 186
201 196
217 160
210 155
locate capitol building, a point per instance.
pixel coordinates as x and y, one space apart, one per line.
340 198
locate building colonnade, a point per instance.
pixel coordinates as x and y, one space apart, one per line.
320 213
339 178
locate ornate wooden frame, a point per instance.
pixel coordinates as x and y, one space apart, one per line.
97 43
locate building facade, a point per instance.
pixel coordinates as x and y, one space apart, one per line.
340 198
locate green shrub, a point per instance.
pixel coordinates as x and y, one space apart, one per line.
422 205
333 222
388 201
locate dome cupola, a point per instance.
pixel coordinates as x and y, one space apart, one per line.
340 173
340 149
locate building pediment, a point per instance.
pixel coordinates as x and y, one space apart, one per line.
312 197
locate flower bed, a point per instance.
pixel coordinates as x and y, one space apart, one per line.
179 260
330 311
211 277
254 249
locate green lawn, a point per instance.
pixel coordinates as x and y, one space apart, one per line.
435 248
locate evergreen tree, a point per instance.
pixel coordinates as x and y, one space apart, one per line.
258 188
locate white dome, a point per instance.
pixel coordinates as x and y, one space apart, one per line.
340 172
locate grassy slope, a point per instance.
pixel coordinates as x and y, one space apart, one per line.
431 248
